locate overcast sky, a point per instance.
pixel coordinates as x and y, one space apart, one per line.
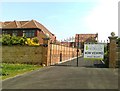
66 18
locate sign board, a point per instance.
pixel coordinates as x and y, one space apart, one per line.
94 51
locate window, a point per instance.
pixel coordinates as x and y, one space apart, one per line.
4 32
14 33
29 33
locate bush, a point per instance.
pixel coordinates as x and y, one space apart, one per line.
6 40
22 41
32 42
13 40
118 41
105 49
35 40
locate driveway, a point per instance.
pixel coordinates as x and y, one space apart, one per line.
66 76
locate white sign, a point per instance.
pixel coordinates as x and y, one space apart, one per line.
94 51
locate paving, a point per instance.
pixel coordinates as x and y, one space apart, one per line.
66 76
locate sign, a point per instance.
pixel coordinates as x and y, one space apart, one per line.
94 51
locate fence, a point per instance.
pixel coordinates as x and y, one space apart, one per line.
59 53
53 54
47 55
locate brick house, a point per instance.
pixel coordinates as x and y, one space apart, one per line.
28 28
85 38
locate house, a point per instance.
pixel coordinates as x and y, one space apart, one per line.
28 28
85 38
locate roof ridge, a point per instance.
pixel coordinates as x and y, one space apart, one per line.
19 24
16 24
89 33
35 23
44 28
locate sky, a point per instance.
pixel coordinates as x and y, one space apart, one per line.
66 18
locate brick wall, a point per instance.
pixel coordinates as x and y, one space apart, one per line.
114 52
22 54
38 55
118 57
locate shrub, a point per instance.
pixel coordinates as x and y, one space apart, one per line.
13 40
35 40
118 41
22 41
105 49
30 42
6 40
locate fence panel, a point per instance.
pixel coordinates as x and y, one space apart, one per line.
62 51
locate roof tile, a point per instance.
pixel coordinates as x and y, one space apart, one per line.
25 24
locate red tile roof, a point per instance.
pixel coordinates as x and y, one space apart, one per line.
24 24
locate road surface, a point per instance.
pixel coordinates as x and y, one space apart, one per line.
66 76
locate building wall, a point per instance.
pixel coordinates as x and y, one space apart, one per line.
40 36
85 37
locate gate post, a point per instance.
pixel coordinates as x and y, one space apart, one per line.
46 52
112 50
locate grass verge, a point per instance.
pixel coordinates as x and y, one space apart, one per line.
11 70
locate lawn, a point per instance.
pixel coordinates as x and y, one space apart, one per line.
11 70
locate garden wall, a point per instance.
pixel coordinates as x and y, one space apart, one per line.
23 54
41 55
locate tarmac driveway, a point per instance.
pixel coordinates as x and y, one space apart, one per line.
66 77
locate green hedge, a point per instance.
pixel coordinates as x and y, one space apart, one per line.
13 40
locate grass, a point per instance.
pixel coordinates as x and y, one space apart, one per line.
11 70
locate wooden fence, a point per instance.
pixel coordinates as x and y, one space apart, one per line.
60 53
